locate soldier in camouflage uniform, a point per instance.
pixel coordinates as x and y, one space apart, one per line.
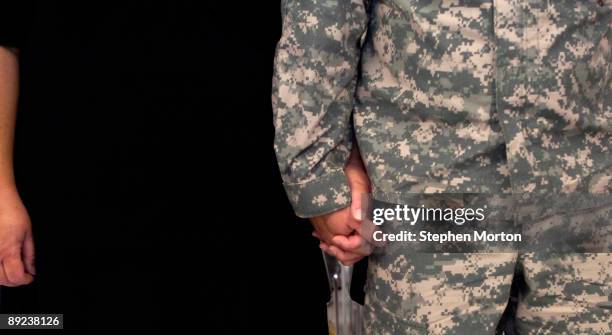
453 96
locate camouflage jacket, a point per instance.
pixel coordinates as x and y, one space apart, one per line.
497 96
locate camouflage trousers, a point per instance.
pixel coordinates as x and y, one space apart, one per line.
562 291
466 293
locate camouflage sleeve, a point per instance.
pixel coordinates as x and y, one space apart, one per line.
315 72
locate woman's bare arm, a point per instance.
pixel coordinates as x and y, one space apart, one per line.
16 242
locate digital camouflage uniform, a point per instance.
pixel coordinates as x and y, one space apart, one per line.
454 96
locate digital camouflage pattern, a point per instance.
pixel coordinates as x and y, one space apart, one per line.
431 288
314 82
454 96
435 293
568 293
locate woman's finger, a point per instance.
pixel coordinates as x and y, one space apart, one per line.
3 277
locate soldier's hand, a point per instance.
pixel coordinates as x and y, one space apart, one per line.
330 228
340 232
16 242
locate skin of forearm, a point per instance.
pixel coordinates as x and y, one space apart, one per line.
9 90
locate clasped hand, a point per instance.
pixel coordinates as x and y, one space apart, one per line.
340 232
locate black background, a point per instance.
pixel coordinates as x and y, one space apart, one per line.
144 155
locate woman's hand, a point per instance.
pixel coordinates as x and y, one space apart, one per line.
16 241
